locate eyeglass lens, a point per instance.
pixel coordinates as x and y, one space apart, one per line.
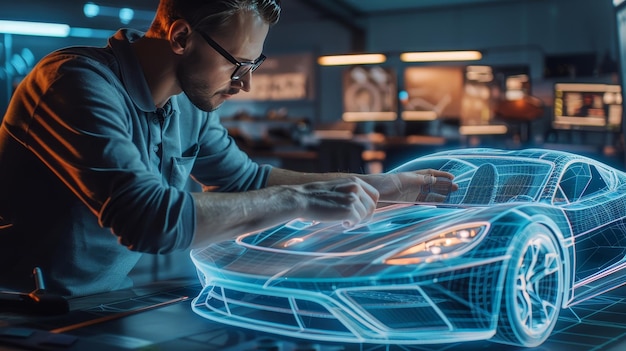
244 67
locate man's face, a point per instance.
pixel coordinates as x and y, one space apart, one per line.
204 74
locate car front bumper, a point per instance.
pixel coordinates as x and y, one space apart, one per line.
453 304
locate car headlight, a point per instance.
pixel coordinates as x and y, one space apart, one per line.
445 244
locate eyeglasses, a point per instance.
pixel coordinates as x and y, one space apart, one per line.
242 67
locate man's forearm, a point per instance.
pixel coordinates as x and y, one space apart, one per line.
350 198
221 216
288 195
280 176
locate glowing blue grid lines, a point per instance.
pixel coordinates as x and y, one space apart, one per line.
529 236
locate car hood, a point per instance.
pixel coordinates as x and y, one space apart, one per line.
391 227
305 251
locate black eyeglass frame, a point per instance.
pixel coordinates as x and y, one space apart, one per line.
242 68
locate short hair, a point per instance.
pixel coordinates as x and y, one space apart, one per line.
210 15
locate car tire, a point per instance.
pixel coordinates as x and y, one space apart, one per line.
532 294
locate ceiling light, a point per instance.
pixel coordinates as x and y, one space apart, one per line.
430 56
354 59
368 116
91 10
124 14
34 28
483 129
418 115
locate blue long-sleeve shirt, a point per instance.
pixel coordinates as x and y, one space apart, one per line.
92 174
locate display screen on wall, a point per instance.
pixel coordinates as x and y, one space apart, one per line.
432 93
587 106
369 94
280 78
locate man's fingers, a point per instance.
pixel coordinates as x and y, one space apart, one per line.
444 185
435 189
357 214
438 173
440 181
364 208
429 179
350 200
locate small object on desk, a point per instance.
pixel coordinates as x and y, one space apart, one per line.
19 333
35 302
116 316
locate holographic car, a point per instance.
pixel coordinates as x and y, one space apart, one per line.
528 233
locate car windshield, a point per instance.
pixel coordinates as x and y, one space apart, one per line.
486 180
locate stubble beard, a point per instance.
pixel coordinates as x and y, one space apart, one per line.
195 89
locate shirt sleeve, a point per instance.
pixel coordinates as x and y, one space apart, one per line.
81 127
221 165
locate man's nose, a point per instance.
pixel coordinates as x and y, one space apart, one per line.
247 82
244 82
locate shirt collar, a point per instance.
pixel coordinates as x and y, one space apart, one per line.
131 72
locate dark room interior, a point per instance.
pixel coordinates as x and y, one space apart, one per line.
366 87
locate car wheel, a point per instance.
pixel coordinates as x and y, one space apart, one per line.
533 288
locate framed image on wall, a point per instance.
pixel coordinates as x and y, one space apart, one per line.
432 92
369 94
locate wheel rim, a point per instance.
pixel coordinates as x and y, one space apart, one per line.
537 286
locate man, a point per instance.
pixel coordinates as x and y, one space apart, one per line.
101 141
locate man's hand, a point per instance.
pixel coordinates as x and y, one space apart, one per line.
427 185
350 200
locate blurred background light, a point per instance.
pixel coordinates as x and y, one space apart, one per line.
91 10
34 28
433 56
354 59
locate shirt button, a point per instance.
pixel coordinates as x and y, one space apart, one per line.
155 148
155 120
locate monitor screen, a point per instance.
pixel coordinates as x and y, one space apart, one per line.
587 106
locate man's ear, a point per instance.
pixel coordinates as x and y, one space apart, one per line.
179 35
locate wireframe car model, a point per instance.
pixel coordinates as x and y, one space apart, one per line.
529 232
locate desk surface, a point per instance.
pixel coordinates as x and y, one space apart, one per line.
598 324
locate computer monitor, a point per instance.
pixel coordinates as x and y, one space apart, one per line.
587 106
